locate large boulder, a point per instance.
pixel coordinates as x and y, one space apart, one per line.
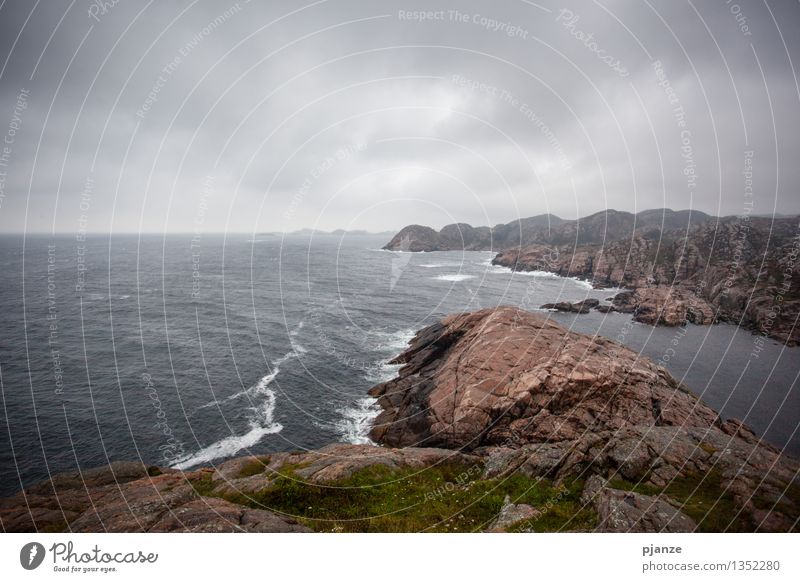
628 511
670 306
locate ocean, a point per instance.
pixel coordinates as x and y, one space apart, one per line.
185 350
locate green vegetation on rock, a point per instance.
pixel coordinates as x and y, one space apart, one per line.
702 497
443 498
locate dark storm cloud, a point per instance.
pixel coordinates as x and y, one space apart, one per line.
367 115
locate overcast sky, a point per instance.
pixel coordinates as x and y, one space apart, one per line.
251 116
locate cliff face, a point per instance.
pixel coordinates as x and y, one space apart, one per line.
602 227
739 271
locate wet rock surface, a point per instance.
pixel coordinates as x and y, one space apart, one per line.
584 306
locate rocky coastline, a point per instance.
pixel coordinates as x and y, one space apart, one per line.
737 271
499 420
677 267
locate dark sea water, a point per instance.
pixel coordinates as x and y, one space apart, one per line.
186 351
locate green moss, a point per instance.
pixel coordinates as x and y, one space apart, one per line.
788 503
203 485
446 498
254 467
708 447
562 511
154 471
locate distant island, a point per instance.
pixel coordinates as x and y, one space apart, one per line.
337 232
678 266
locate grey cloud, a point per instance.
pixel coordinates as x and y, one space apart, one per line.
264 108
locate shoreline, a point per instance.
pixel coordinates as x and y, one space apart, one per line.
630 449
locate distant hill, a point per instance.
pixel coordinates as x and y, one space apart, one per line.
604 226
337 232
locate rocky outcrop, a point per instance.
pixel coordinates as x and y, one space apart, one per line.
584 306
533 398
665 306
512 514
332 463
628 511
505 375
415 239
743 271
129 497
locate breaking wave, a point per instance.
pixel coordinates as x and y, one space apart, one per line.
455 278
261 421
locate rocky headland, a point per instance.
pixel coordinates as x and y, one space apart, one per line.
678 266
499 420
740 271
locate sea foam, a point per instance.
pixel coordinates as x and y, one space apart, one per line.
261 421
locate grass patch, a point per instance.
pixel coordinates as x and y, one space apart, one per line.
445 498
254 467
203 485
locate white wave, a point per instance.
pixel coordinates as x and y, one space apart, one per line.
261 424
266 380
382 372
439 265
583 283
227 447
389 342
404 252
261 420
356 421
297 347
124 296
498 269
455 278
